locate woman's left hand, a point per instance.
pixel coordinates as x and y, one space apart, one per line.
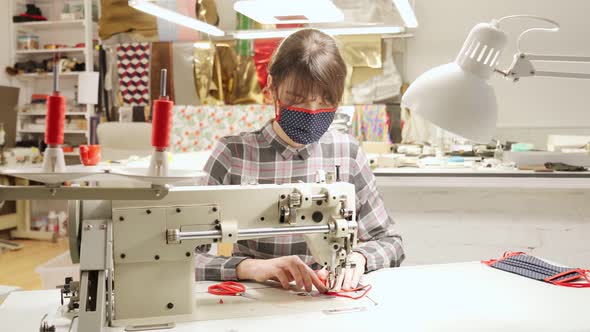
351 276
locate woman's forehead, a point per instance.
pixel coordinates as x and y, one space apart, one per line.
299 89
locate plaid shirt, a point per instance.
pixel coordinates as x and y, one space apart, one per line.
263 156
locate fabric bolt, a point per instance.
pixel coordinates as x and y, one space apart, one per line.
371 123
263 51
118 17
263 157
133 66
197 128
305 126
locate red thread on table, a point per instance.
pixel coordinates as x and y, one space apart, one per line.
342 293
229 288
161 123
56 112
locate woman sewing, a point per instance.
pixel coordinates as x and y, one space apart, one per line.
306 81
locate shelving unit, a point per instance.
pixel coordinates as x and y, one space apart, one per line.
43 113
69 32
53 31
41 76
66 131
52 51
58 25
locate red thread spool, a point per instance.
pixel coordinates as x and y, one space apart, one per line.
56 113
161 123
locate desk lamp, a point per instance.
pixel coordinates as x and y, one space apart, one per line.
458 97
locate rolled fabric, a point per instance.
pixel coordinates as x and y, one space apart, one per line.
56 113
161 123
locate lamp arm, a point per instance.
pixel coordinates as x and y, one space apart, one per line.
523 66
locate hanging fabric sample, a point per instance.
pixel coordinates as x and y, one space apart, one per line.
371 123
133 63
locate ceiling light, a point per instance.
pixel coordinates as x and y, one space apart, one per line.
289 12
406 12
282 33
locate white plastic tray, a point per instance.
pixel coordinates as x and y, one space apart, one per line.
174 175
72 173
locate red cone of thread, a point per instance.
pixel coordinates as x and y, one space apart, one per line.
161 123
56 112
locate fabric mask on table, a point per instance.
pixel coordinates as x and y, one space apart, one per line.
538 269
304 126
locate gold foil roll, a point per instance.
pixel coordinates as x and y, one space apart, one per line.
361 51
203 59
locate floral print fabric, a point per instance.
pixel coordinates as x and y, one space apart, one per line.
197 128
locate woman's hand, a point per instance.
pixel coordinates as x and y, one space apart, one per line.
282 269
351 276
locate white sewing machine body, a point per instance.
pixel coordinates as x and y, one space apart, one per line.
142 251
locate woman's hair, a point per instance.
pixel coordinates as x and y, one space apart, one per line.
310 63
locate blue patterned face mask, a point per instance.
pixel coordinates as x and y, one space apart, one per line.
538 269
304 126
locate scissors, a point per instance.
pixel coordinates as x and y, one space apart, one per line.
229 288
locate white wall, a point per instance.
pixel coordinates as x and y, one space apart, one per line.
533 102
447 225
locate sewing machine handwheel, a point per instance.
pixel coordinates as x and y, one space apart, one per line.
74 221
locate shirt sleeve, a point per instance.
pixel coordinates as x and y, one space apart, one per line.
378 240
208 266
212 267
218 166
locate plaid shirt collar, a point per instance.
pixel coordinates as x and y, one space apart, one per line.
284 149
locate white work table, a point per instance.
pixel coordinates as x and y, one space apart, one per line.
481 177
452 297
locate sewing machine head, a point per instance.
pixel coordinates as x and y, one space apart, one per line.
148 246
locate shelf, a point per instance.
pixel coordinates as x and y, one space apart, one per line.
45 113
34 76
71 131
37 2
51 51
49 25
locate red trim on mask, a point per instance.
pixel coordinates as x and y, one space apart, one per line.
306 110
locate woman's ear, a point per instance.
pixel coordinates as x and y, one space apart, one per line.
270 86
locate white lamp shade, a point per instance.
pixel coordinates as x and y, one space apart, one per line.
455 100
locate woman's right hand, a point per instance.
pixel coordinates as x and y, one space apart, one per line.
282 269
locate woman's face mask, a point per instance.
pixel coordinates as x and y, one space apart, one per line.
304 126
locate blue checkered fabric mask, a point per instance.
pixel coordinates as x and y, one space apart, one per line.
538 269
304 126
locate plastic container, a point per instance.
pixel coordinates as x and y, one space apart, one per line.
54 272
28 42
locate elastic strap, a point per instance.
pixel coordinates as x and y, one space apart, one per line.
507 254
342 293
566 282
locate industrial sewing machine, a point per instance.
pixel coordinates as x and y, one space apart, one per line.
136 246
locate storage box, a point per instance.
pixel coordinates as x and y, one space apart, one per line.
54 272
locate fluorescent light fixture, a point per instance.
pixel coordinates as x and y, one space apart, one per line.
406 12
281 33
289 11
203 45
174 17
